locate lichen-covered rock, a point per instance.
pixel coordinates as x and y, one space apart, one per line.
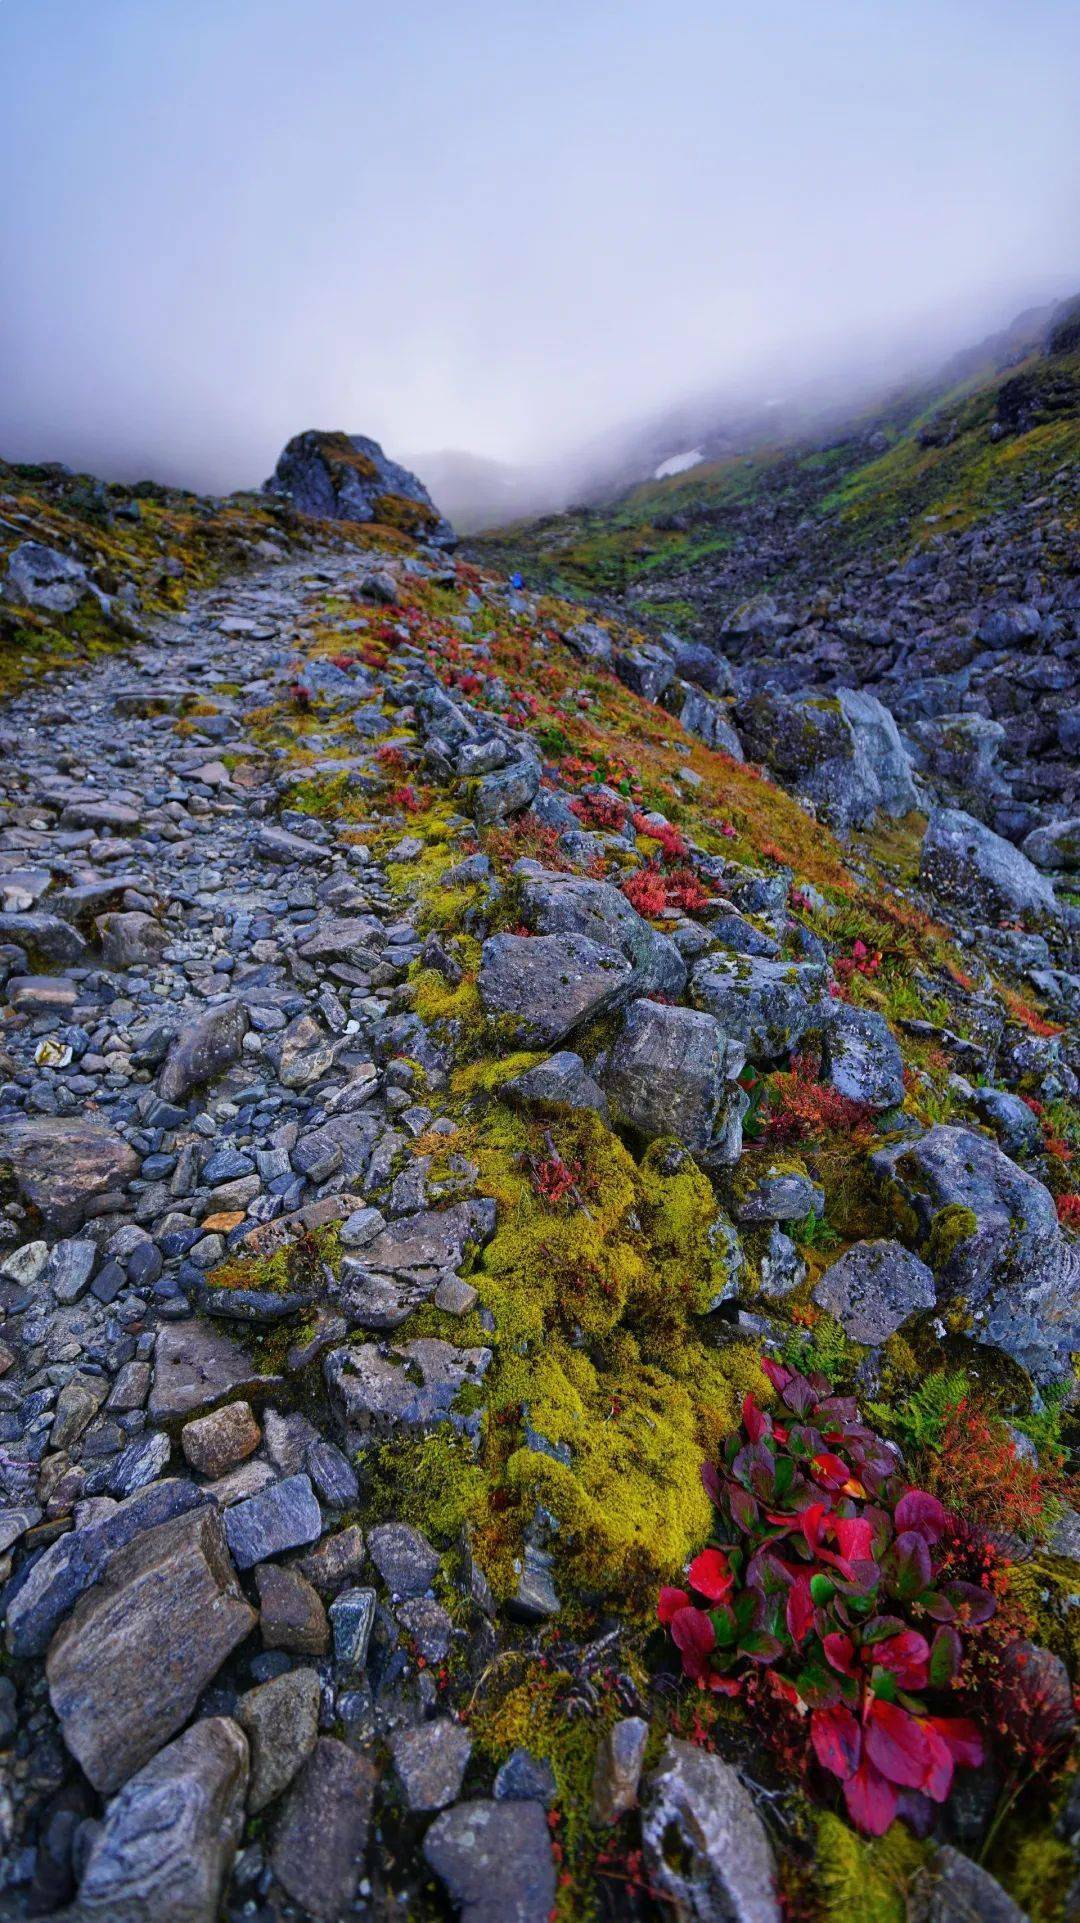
842 750
410 1387
971 868
281 1721
563 1081
347 477
430 1762
165 1848
776 1192
576 905
706 1846
548 985
670 1071
873 1288
990 1232
495 1860
1055 846
861 1057
766 1005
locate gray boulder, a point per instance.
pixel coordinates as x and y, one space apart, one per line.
284 1516
765 1005
701 715
321 1836
346 477
962 1890
973 869
706 1846
62 1164
430 1762
129 939
40 577
1011 1120
670 1072
549 985
777 1193
1055 846
495 1861
873 1288
860 1056
165 1848
281 1721
575 905
842 750
991 1234
563 1081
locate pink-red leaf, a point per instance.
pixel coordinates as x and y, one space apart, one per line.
922 1512
669 1601
871 1800
710 1574
837 1740
906 1656
896 1744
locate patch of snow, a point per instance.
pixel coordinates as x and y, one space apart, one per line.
678 463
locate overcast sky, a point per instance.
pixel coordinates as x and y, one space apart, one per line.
497 224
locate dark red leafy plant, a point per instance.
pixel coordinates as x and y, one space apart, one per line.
830 1577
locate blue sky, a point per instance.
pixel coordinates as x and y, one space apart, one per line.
499 227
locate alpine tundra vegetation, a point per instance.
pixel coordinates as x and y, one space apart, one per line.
539 1288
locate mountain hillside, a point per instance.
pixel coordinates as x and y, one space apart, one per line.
539 1262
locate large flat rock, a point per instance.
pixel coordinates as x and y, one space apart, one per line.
128 1667
62 1164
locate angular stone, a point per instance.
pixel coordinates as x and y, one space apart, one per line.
335 1559
62 1164
563 1081
204 1050
195 1367
215 1443
506 792
777 1193
669 1072
555 904
127 1668
990 1233
547 985
291 1614
281 1721
495 1860
525 1778
321 1837
130 940
706 1846
46 938
332 1473
873 1288
430 1761
410 1388
975 870
285 1516
962 1891
75 1562
42 577
619 1757
765 1005
403 1557
165 1849
860 1056
352 1617
69 1268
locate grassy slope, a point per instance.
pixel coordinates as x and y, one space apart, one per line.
853 497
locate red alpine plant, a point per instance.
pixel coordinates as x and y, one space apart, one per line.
830 1573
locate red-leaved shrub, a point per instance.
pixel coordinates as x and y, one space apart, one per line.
827 1575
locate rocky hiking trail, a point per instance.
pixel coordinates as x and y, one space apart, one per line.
438 1072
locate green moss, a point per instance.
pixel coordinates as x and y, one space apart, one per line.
951 1226
1038 1874
866 1882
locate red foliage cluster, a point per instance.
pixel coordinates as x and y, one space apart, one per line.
599 811
862 961
672 845
343 661
405 798
652 892
391 756
1068 1208
722 827
829 1577
553 1179
801 1108
977 1471
300 696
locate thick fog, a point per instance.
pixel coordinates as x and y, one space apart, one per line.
503 229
